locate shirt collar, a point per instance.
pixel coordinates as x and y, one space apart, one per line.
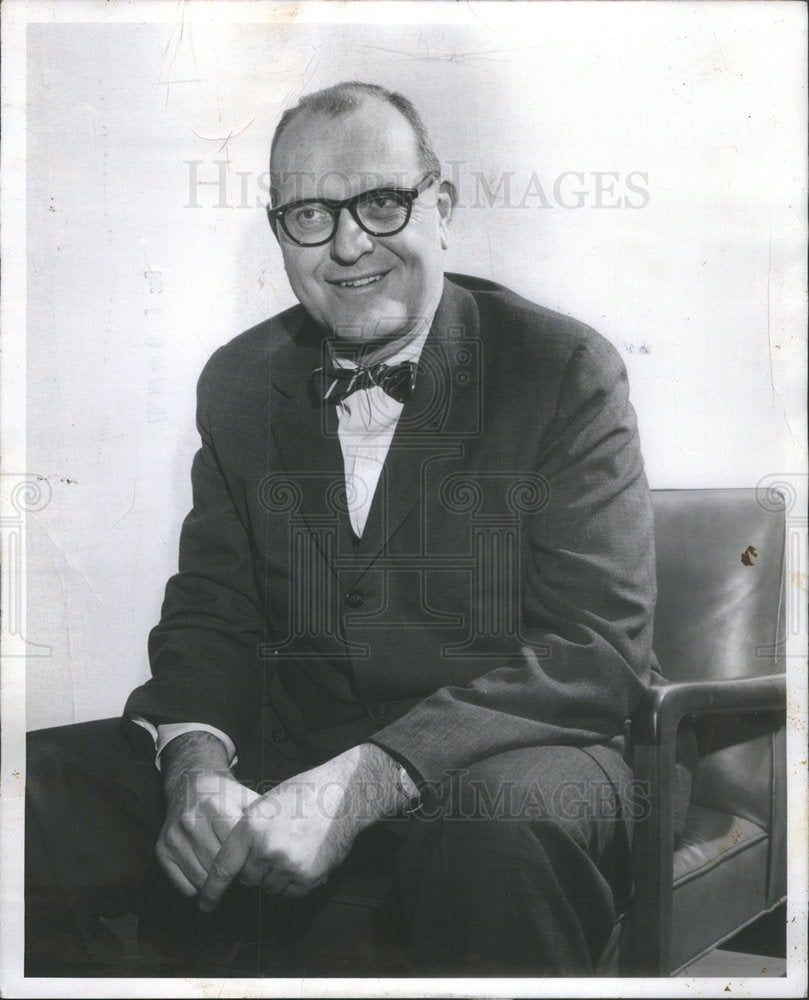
410 352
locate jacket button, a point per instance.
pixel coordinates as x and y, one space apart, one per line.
278 735
355 598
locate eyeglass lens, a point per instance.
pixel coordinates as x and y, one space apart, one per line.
379 212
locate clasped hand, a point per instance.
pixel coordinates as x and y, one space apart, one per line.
287 841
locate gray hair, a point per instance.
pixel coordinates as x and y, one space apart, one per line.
341 99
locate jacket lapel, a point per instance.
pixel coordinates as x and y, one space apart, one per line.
441 416
305 436
436 423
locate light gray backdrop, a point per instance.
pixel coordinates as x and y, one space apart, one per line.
638 167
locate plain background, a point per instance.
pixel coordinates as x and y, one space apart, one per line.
135 274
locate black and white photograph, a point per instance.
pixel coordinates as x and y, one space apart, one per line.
404 488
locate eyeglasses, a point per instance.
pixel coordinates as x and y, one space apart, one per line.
383 211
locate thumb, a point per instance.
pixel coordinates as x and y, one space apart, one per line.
238 799
226 866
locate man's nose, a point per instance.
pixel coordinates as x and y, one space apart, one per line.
350 241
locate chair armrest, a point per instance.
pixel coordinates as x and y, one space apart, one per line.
653 736
661 709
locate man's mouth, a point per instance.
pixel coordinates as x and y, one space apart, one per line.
368 279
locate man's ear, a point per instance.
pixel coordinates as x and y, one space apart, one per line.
446 200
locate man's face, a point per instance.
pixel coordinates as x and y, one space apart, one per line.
337 158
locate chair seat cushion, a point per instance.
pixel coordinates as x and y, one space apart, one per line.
720 880
709 838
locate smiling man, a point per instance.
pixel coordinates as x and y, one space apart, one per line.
412 613
374 272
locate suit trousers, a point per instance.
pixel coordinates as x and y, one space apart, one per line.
516 865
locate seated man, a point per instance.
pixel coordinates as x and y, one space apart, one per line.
414 607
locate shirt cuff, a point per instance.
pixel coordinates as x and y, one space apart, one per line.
163 735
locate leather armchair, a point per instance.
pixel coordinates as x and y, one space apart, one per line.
719 637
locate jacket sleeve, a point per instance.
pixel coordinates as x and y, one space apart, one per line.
204 650
587 596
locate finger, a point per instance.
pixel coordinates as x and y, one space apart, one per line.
221 827
275 881
177 858
295 891
225 867
177 878
192 855
279 883
260 865
254 871
201 838
220 819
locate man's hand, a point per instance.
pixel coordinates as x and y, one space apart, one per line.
204 803
290 839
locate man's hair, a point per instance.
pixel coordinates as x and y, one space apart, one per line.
342 99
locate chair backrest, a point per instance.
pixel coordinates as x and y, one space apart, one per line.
720 614
720 575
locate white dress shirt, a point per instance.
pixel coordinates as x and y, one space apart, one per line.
366 422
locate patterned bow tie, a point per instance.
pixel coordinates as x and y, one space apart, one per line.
398 381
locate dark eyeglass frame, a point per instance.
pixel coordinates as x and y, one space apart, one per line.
408 196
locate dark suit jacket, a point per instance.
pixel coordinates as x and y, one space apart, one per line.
502 593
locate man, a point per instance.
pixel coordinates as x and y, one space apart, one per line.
414 598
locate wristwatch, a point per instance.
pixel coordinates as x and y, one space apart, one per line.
407 788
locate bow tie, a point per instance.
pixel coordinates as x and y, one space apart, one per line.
398 381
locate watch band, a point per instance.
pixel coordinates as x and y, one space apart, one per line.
403 783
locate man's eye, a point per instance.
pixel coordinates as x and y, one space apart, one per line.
309 216
382 201
382 207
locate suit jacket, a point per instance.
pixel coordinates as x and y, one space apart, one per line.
502 593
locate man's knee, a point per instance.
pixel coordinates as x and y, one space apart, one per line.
94 803
537 831
94 754
552 787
